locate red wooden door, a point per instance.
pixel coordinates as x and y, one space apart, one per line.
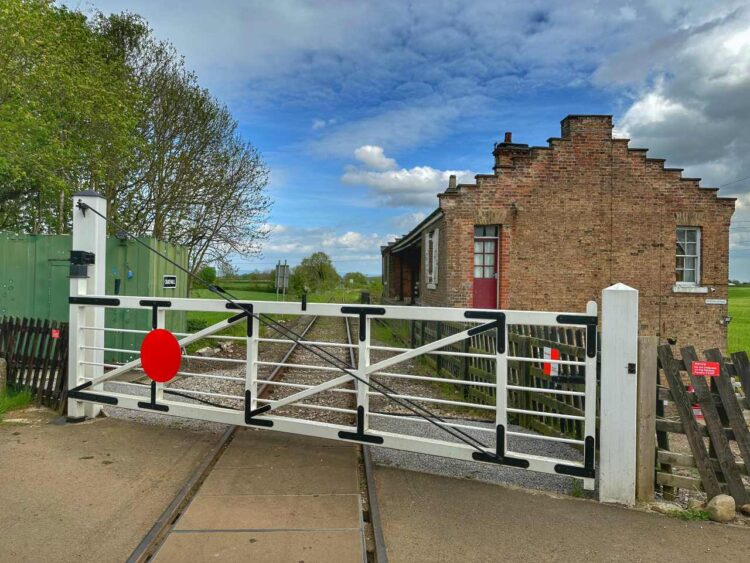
485 267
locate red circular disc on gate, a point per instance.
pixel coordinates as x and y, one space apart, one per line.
160 355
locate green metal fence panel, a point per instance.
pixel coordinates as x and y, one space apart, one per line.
34 282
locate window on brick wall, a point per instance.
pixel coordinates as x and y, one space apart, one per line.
688 256
431 258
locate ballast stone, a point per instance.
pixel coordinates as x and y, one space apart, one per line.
721 508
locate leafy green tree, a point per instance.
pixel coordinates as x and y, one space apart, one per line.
195 181
314 274
68 114
101 104
207 274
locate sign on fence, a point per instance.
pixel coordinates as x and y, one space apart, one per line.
170 282
706 369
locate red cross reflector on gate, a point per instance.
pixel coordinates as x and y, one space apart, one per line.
160 355
551 354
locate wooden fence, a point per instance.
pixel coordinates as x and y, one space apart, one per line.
524 341
36 352
702 436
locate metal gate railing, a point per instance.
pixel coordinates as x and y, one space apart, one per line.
375 377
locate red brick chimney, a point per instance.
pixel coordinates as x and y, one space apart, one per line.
506 151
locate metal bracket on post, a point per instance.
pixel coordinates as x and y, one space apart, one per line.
617 443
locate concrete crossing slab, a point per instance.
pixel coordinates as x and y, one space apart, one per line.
260 512
269 547
274 497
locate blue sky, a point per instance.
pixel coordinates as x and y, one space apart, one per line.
362 109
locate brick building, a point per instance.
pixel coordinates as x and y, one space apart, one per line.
555 225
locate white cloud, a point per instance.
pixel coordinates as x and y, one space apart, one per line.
403 73
395 186
373 157
297 242
322 123
695 109
408 221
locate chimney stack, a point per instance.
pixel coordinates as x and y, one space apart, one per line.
452 182
507 151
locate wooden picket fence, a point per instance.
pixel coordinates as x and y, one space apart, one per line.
702 435
36 352
523 341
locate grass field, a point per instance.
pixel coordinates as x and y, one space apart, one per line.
739 328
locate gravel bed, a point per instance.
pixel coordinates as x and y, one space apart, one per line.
498 474
155 418
326 329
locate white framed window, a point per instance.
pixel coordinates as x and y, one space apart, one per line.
688 256
431 258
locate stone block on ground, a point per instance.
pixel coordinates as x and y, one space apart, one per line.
721 508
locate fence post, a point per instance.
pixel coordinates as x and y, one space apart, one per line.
89 235
3 375
617 448
363 362
646 455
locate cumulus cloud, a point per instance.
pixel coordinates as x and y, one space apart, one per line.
404 72
373 157
297 242
695 108
396 186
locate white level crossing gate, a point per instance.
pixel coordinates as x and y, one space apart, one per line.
376 374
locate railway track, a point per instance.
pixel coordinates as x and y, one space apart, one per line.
335 406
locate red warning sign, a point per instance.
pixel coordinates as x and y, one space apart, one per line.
551 354
160 355
55 333
706 369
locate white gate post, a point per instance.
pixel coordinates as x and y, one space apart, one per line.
89 235
617 443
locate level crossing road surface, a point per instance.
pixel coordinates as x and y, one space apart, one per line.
274 497
435 518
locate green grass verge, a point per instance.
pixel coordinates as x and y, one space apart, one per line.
690 514
11 400
739 329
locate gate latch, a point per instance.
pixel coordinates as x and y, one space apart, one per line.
79 263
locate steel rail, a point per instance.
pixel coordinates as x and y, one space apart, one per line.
153 539
373 505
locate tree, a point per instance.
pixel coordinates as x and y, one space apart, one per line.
355 279
207 274
314 274
68 114
197 182
227 270
101 104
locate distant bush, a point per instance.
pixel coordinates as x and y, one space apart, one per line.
208 274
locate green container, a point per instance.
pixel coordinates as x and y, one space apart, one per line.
34 282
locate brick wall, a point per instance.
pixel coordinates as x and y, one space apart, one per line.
581 214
